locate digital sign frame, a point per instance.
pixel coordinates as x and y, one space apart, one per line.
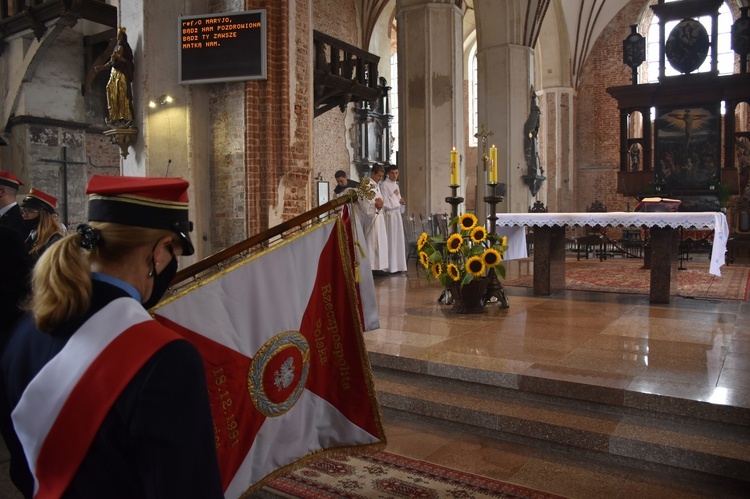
222 47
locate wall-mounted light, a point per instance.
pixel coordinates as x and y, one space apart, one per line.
162 100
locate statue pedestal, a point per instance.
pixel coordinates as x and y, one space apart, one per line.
123 137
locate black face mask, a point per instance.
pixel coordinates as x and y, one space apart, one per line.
161 283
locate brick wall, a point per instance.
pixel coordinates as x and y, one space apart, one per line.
598 119
59 160
278 122
332 149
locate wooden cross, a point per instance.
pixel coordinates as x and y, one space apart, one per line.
64 162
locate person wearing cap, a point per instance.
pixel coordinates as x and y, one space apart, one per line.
39 209
343 184
97 399
10 212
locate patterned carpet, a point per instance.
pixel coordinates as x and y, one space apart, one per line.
627 276
384 475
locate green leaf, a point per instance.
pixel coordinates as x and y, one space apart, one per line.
435 257
444 280
467 279
476 251
500 270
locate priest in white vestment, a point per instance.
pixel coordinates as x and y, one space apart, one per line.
393 207
371 216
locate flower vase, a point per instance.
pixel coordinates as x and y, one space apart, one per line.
468 299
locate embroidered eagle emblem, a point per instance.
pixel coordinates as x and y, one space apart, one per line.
284 376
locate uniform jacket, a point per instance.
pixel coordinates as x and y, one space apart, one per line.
13 219
155 441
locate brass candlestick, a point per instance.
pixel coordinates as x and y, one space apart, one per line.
494 288
497 194
454 200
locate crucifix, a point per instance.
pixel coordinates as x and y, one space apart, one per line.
483 135
64 162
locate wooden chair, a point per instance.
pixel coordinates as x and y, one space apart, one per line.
739 227
426 223
594 239
410 237
632 243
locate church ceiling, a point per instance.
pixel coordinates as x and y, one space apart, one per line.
583 20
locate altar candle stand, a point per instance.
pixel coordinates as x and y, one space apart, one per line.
454 200
494 288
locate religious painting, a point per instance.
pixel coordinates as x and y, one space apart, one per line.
688 147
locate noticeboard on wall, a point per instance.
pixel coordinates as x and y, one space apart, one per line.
228 46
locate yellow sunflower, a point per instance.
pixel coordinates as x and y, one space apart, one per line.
454 272
467 221
505 241
437 269
475 266
478 234
491 257
422 241
454 243
424 259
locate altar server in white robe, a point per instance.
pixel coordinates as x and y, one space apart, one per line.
371 216
394 206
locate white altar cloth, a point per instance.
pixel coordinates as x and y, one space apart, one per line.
516 241
702 220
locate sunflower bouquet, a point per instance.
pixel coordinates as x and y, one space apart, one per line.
465 255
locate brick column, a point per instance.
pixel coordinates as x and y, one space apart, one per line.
278 114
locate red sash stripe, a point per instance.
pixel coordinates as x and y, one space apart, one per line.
89 403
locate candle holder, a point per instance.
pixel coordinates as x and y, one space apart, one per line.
494 288
497 194
454 200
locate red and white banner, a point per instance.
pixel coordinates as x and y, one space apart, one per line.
281 339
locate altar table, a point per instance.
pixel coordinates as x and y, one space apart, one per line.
549 243
516 241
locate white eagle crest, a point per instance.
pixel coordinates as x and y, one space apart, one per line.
285 375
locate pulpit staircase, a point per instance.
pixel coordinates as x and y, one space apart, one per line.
21 15
343 73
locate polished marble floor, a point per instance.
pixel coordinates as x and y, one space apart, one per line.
689 348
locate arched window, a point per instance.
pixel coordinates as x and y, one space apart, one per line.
725 61
473 97
393 100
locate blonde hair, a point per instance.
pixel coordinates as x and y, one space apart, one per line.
48 227
61 282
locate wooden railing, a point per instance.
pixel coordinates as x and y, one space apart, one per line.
21 15
343 73
258 242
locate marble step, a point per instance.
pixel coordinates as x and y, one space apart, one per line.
679 445
596 387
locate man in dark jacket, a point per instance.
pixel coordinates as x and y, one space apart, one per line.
10 212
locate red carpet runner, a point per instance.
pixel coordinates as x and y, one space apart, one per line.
381 474
625 276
